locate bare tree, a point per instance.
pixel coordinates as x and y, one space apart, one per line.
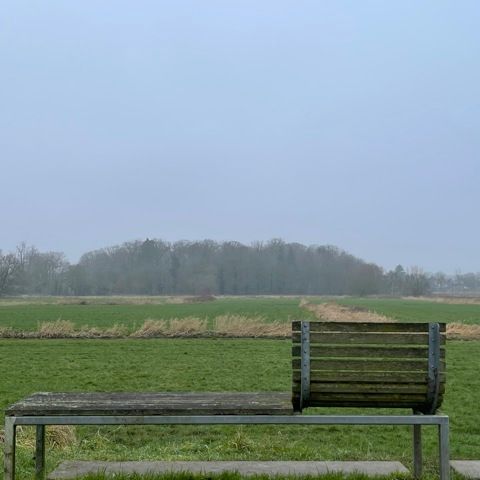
8 266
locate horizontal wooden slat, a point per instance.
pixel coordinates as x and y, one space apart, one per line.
366 403
329 351
366 365
366 397
368 338
331 387
366 327
369 377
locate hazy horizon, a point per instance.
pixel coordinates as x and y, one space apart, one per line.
75 259
353 124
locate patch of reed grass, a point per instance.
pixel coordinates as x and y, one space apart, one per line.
241 326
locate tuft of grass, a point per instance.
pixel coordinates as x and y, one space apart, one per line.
151 328
56 437
56 329
241 326
187 327
9 332
241 442
173 327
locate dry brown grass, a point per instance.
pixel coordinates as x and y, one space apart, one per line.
174 327
333 312
56 436
186 327
223 325
66 329
57 329
241 326
461 331
151 328
8 332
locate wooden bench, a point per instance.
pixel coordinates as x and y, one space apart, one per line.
378 365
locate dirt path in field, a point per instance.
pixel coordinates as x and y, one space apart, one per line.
333 312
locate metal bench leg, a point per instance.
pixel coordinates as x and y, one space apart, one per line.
9 452
417 451
40 453
444 451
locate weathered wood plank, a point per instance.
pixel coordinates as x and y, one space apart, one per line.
363 403
329 351
385 365
351 387
346 338
368 377
234 403
366 327
377 398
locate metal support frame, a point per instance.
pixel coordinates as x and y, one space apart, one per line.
416 420
417 452
305 365
433 366
444 450
40 453
9 449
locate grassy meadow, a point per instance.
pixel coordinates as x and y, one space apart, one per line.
404 310
210 364
26 314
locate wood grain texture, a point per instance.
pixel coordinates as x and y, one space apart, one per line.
332 387
367 351
346 338
367 327
268 403
365 365
366 377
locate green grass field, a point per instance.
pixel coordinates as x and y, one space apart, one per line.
417 310
217 365
207 365
27 315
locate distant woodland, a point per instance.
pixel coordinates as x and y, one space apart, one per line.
156 267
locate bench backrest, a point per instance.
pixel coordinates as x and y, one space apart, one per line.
352 364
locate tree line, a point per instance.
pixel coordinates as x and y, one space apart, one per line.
156 267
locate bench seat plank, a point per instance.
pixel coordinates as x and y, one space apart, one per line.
233 403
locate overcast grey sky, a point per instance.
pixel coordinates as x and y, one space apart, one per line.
353 123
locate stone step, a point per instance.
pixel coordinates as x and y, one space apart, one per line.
467 468
74 469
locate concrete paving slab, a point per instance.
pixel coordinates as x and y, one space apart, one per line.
467 468
75 469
